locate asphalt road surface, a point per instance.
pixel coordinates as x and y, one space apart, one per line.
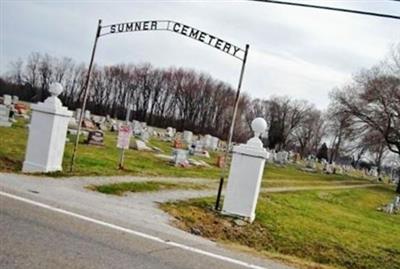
35 237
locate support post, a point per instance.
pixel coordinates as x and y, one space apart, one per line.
235 108
86 92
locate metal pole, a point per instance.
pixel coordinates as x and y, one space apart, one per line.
86 92
235 108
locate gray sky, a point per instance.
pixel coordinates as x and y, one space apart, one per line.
302 53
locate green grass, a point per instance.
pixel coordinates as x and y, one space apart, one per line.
148 186
339 228
103 161
98 160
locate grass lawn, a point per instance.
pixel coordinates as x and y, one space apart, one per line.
148 186
99 160
338 228
103 160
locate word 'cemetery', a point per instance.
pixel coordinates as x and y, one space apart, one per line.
177 28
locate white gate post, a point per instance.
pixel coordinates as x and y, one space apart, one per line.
47 134
245 175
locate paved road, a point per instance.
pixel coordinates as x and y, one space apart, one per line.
34 237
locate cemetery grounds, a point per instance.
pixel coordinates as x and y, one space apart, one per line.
310 220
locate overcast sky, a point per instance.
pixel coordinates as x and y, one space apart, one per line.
294 51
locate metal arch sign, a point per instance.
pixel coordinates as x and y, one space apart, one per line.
176 27
172 26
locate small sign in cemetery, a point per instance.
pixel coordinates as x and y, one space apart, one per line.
124 136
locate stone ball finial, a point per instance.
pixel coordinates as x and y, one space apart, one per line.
55 89
258 125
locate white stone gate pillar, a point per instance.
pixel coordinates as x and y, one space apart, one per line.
245 175
47 134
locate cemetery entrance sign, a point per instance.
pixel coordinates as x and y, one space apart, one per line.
172 26
178 28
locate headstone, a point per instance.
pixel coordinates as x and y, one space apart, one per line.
137 127
374 172
328 168
140 145
396 202
7 100
187 137
88 124
4 116
177 143
78 113
311 164
169 132
281 157
207 141
73 123
95 138
47 134
214 142
220 161
180 157
245 175
21 109
145 136
296 157
15 99
87 114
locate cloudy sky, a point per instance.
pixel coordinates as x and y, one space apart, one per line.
294 51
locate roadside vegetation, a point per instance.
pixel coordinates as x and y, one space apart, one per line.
312 229
145 186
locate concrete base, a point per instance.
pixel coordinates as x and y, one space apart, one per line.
38 168
5 124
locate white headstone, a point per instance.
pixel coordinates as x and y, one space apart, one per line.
87 114
47 134
169 132
78 113
15 99
187 137
7 100
207 141
245 175
180 157
4 116
214 142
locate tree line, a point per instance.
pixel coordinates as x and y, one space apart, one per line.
362 120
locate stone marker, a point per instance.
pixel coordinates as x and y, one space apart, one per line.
214 143
180 157
207 141
15 99
4 116
140 145
95 138
78 113
245 175
187 137
169 132
47 134
87 115
7 100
